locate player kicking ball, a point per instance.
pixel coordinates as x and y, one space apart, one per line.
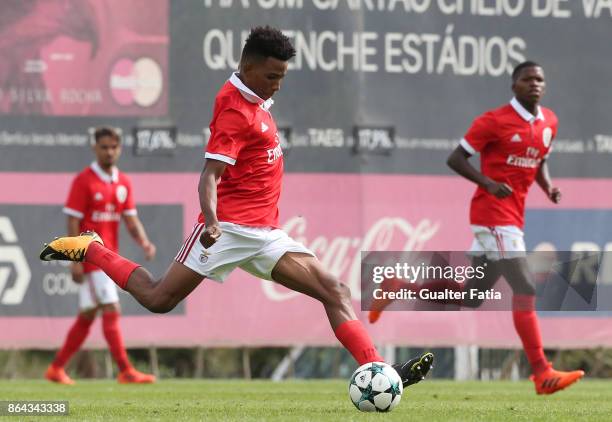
514 142
238 227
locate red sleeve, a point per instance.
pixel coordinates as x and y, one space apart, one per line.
78 198
227 136
480 133
130 204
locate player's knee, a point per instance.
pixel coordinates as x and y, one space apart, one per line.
161 304
339 294
161 308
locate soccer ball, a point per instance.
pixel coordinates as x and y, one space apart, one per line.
375 387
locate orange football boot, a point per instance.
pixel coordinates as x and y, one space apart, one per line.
69 248
551 380
132 376
58 375
378 305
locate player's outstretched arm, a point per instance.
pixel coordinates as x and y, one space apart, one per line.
137 231
544 181
207 190
459 163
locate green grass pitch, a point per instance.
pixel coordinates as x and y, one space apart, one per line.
179 400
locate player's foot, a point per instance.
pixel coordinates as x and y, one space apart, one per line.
551 380
416 369
132 376
69 248
378 305
58 375
373 316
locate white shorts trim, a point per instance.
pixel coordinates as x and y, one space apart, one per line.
256 250
97 289
498 242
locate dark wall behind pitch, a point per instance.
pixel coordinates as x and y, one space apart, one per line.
430 105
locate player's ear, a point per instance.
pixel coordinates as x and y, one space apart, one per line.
244 60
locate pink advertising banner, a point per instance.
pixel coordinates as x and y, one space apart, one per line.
84 57
336 216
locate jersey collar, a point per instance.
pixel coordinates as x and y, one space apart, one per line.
522 111
248 94
114 178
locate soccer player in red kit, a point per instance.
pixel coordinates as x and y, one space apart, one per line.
514 142
239 190
99 198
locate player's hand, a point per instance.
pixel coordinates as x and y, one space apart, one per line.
499 190
210 235
149 251
78 274
554 194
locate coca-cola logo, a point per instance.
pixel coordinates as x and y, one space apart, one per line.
341 255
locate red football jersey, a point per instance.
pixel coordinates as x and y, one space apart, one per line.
98 200
512 144
243 134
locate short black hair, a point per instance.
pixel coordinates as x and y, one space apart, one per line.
104 131
519 67
264 42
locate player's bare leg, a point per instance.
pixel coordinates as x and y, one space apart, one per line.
547 380
305 274
158 296
161 296
492 274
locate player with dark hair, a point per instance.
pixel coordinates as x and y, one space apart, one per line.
239 190
99 198
514 142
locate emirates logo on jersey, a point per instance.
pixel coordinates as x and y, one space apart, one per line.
276 152
529 161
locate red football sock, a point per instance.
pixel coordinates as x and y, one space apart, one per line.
528 329
74 339
115 266
112 333
357 341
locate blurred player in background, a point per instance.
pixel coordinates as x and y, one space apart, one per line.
99 198
239 191
514 142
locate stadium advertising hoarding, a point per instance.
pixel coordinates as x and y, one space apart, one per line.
328 222
84 58
420 69
423 67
